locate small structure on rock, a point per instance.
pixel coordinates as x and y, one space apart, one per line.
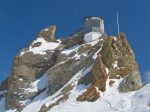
93 28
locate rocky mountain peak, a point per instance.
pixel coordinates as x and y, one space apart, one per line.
48 33
77 69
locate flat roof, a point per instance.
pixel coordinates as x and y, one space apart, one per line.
93 17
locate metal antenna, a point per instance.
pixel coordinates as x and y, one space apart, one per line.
118 23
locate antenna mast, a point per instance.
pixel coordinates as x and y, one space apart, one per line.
118 23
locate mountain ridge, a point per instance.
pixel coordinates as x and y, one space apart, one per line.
52 73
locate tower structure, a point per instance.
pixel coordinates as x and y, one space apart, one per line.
93 28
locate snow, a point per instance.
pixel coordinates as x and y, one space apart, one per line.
102 26
46 29
77 56
59 41
71 105
21 79
111 101
68 51
94 42
107 70
141 99
39 84
115 64
92 36
96 54
2 102
2 105
39 40
115 38
42 48
74 49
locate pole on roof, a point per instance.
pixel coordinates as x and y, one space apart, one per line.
118 23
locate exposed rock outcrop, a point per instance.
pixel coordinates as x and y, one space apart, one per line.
116 60
131 82
74 62
90 95
74 40
98 77
118 56
48 33
26 69
99 74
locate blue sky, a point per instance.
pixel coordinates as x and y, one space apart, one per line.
21 20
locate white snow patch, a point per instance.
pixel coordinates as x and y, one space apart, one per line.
94 42
87 70
107 70
42 48
77 56
96 54
46 29
59 41
22 52
84 54
68 51
39 84
115 38
42 40
21 79
115 64
2 105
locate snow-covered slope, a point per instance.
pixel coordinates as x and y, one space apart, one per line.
111 100
2 105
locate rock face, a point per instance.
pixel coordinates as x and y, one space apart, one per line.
98 79
99 74
90 95
74 62
119 58
103 60
48 33
115 60
26 69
